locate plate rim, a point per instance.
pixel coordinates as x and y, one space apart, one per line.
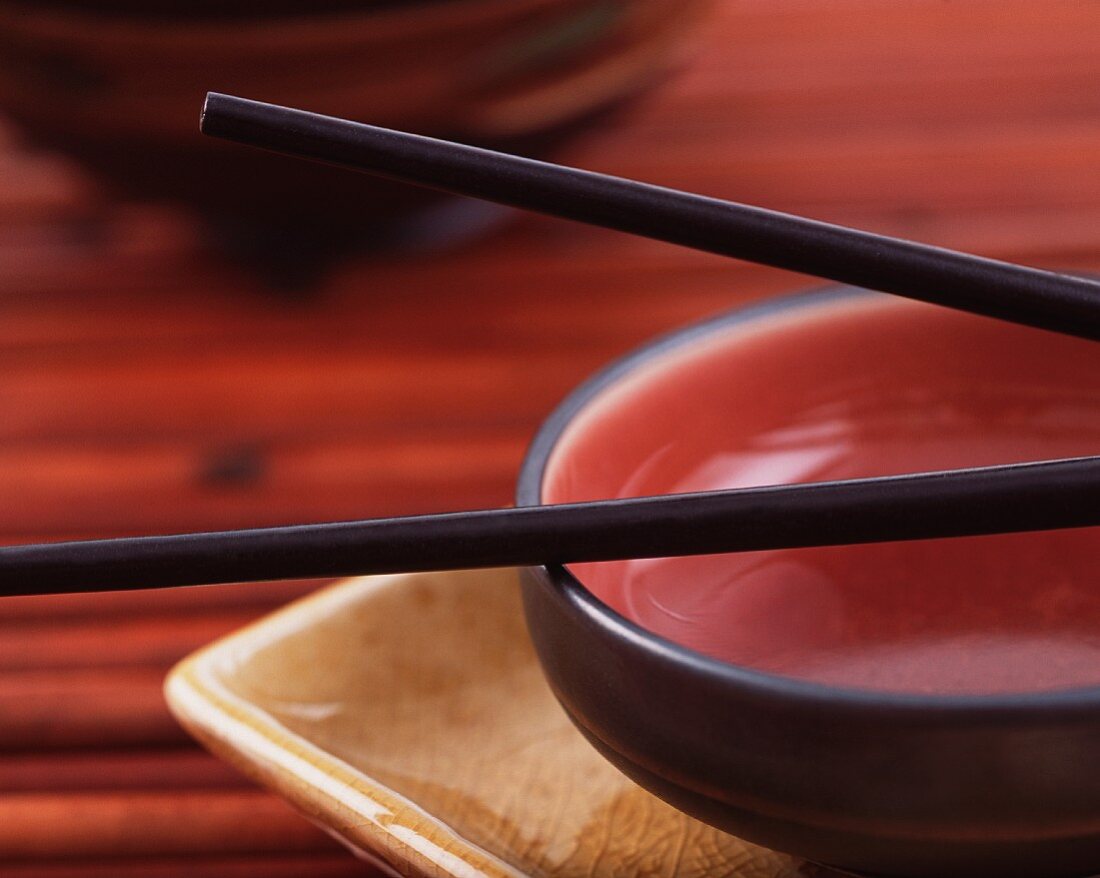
378 824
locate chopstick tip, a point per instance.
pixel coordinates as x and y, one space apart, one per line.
214 106
204 110
209 108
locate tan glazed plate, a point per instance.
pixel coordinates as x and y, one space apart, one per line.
409 717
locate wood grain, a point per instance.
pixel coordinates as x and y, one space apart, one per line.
174 604
146 824
148 384
320 865
89 706
176 768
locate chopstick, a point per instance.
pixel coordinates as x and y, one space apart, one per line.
1044 299
1019 497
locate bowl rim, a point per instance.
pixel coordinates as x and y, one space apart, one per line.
1075 701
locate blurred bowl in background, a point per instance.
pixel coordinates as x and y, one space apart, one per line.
118 85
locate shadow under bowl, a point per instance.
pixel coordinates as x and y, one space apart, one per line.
906 764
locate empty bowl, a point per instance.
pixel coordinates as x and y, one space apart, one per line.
915 709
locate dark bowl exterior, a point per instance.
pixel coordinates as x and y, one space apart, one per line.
118 84
876 783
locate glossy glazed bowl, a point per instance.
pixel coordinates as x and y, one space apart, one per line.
889 775
118 85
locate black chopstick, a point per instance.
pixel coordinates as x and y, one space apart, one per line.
1021 497
1030 296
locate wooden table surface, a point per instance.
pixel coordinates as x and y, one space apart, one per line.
147 387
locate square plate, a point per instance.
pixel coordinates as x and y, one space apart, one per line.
408 716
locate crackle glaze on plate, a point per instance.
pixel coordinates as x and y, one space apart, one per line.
408 716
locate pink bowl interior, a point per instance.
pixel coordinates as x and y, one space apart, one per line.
841 389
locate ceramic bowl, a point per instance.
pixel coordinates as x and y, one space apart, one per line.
118 85
865 777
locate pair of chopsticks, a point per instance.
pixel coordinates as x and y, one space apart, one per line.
1023 497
